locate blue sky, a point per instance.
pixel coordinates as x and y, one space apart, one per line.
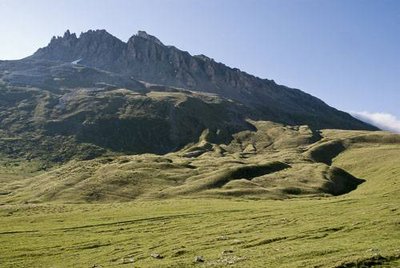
344 52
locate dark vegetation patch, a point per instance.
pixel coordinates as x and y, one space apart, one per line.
340 181
325 152
248 172
292 190
373 261
93 245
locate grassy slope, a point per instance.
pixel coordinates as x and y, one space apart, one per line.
271 163
302 232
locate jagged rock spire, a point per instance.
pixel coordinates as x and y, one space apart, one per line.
145 58
147 36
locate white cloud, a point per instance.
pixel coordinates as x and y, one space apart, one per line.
384 121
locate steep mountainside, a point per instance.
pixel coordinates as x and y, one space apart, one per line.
145 58
117 154
80 97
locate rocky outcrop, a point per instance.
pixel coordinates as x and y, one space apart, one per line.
93 48
144 57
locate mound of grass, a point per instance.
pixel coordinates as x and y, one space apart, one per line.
341 182
326 151
225 219
353 230
271 169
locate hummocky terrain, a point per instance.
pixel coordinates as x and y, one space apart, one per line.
138 153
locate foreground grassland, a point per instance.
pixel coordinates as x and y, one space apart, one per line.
358 229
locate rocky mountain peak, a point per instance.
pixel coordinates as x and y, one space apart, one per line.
97 35
66 40
144 57
144 35
93 46
68 34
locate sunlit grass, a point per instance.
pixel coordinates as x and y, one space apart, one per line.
312 231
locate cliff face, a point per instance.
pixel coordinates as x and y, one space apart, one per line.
146 58
83 96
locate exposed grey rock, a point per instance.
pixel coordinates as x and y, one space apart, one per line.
144 35
128 260
145 58
222 238
199 259
157 256
98 93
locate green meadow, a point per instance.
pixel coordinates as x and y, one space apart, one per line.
236 205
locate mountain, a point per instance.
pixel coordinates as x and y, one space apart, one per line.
146 58
117 154
99 94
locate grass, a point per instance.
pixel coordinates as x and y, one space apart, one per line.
281 163
351 230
